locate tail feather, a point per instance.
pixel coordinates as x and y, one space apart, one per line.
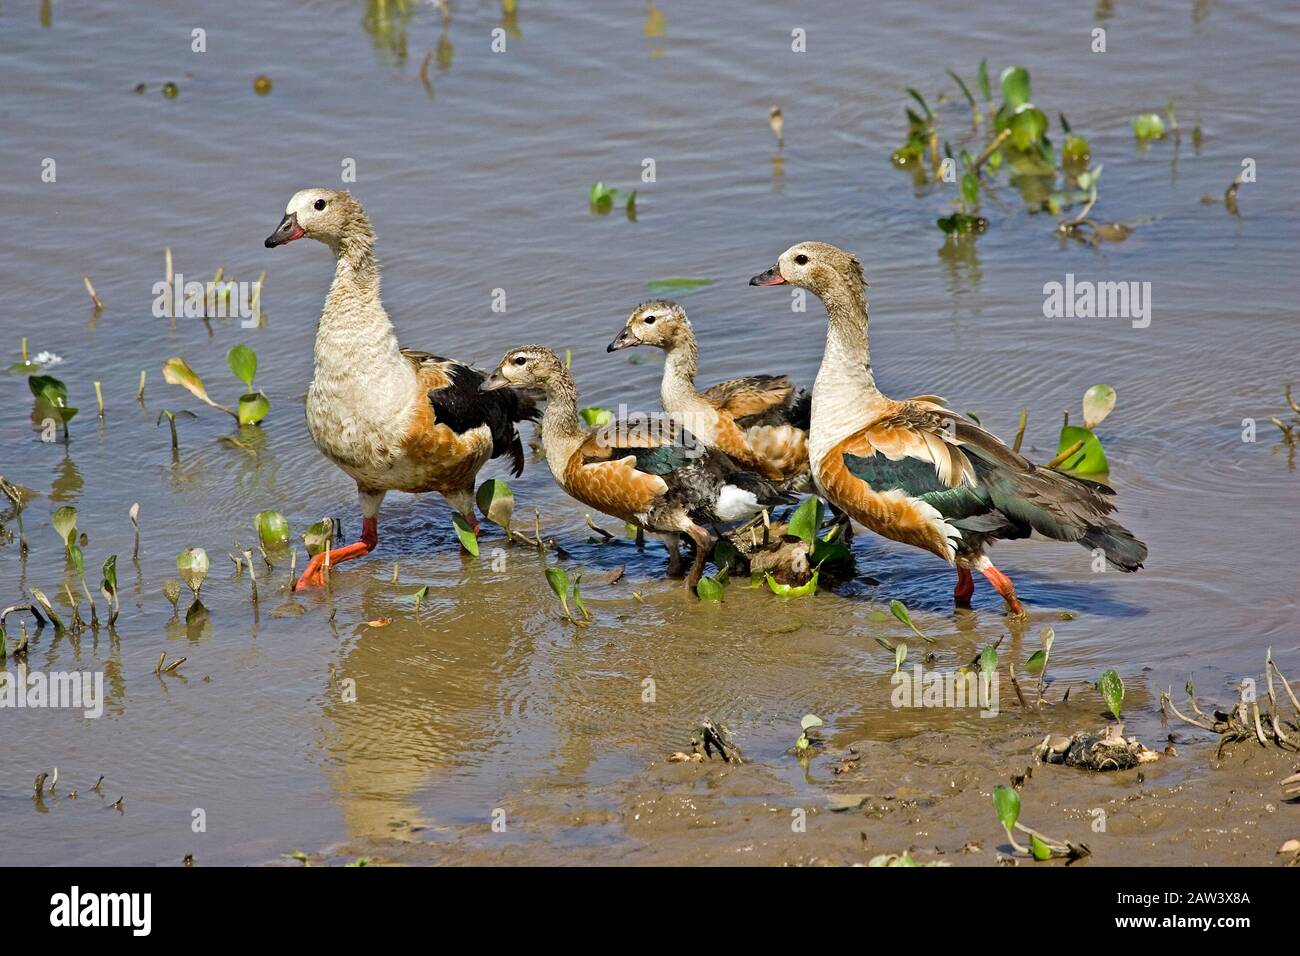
1123 551
769 493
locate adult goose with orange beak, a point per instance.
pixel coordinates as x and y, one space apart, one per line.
392 419
917 472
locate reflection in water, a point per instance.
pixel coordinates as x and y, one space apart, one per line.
960 256
386 22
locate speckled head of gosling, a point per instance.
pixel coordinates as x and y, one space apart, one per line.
326 215
660 323
816 266
530 366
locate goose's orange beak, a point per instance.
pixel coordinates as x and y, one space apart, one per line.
287 231
771 277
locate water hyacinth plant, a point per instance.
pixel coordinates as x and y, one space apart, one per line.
1013 136
252 406
496 502
52 401
558 579
272 533
192 565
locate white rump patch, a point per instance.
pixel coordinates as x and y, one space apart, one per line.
736 503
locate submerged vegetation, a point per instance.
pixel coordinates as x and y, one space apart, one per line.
1008 144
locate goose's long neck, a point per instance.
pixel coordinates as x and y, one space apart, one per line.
354 335
561 434
677 390
845 396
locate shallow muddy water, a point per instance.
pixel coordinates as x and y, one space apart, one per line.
477 180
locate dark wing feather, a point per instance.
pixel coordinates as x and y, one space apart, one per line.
1010 496
461 406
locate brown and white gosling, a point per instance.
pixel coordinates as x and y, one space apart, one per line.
919 473
393 419
758 421
655 478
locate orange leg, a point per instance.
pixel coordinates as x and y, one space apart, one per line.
314 576
1004 587
961 594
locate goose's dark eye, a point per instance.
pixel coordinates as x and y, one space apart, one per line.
319 204
801 260
649 320
520 360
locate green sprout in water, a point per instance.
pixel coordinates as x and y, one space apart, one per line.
52 400
558 579
601 199
192 565
242 360
1079 451
108 588
899 610
468 539
497 503
1006 802
809 722
272 533
1111 688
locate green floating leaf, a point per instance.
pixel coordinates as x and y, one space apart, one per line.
243 362
1097 404
108 584
1036 662
1112 689
1027 125
253 408
319 536
192 564
468 540
1040 849
709 589
496 501
899 610
177 372
558 579
1076 150
577 597
1007 804
64 520
272 531
595 416
54 393
601 197
806 521
1148 126
677 286
1015 86
1090 459
790 591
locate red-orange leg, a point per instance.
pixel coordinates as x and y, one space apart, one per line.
961 594
314 576
1004 587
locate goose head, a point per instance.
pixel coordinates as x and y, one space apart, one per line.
326 215
660 323
819 267
531 366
